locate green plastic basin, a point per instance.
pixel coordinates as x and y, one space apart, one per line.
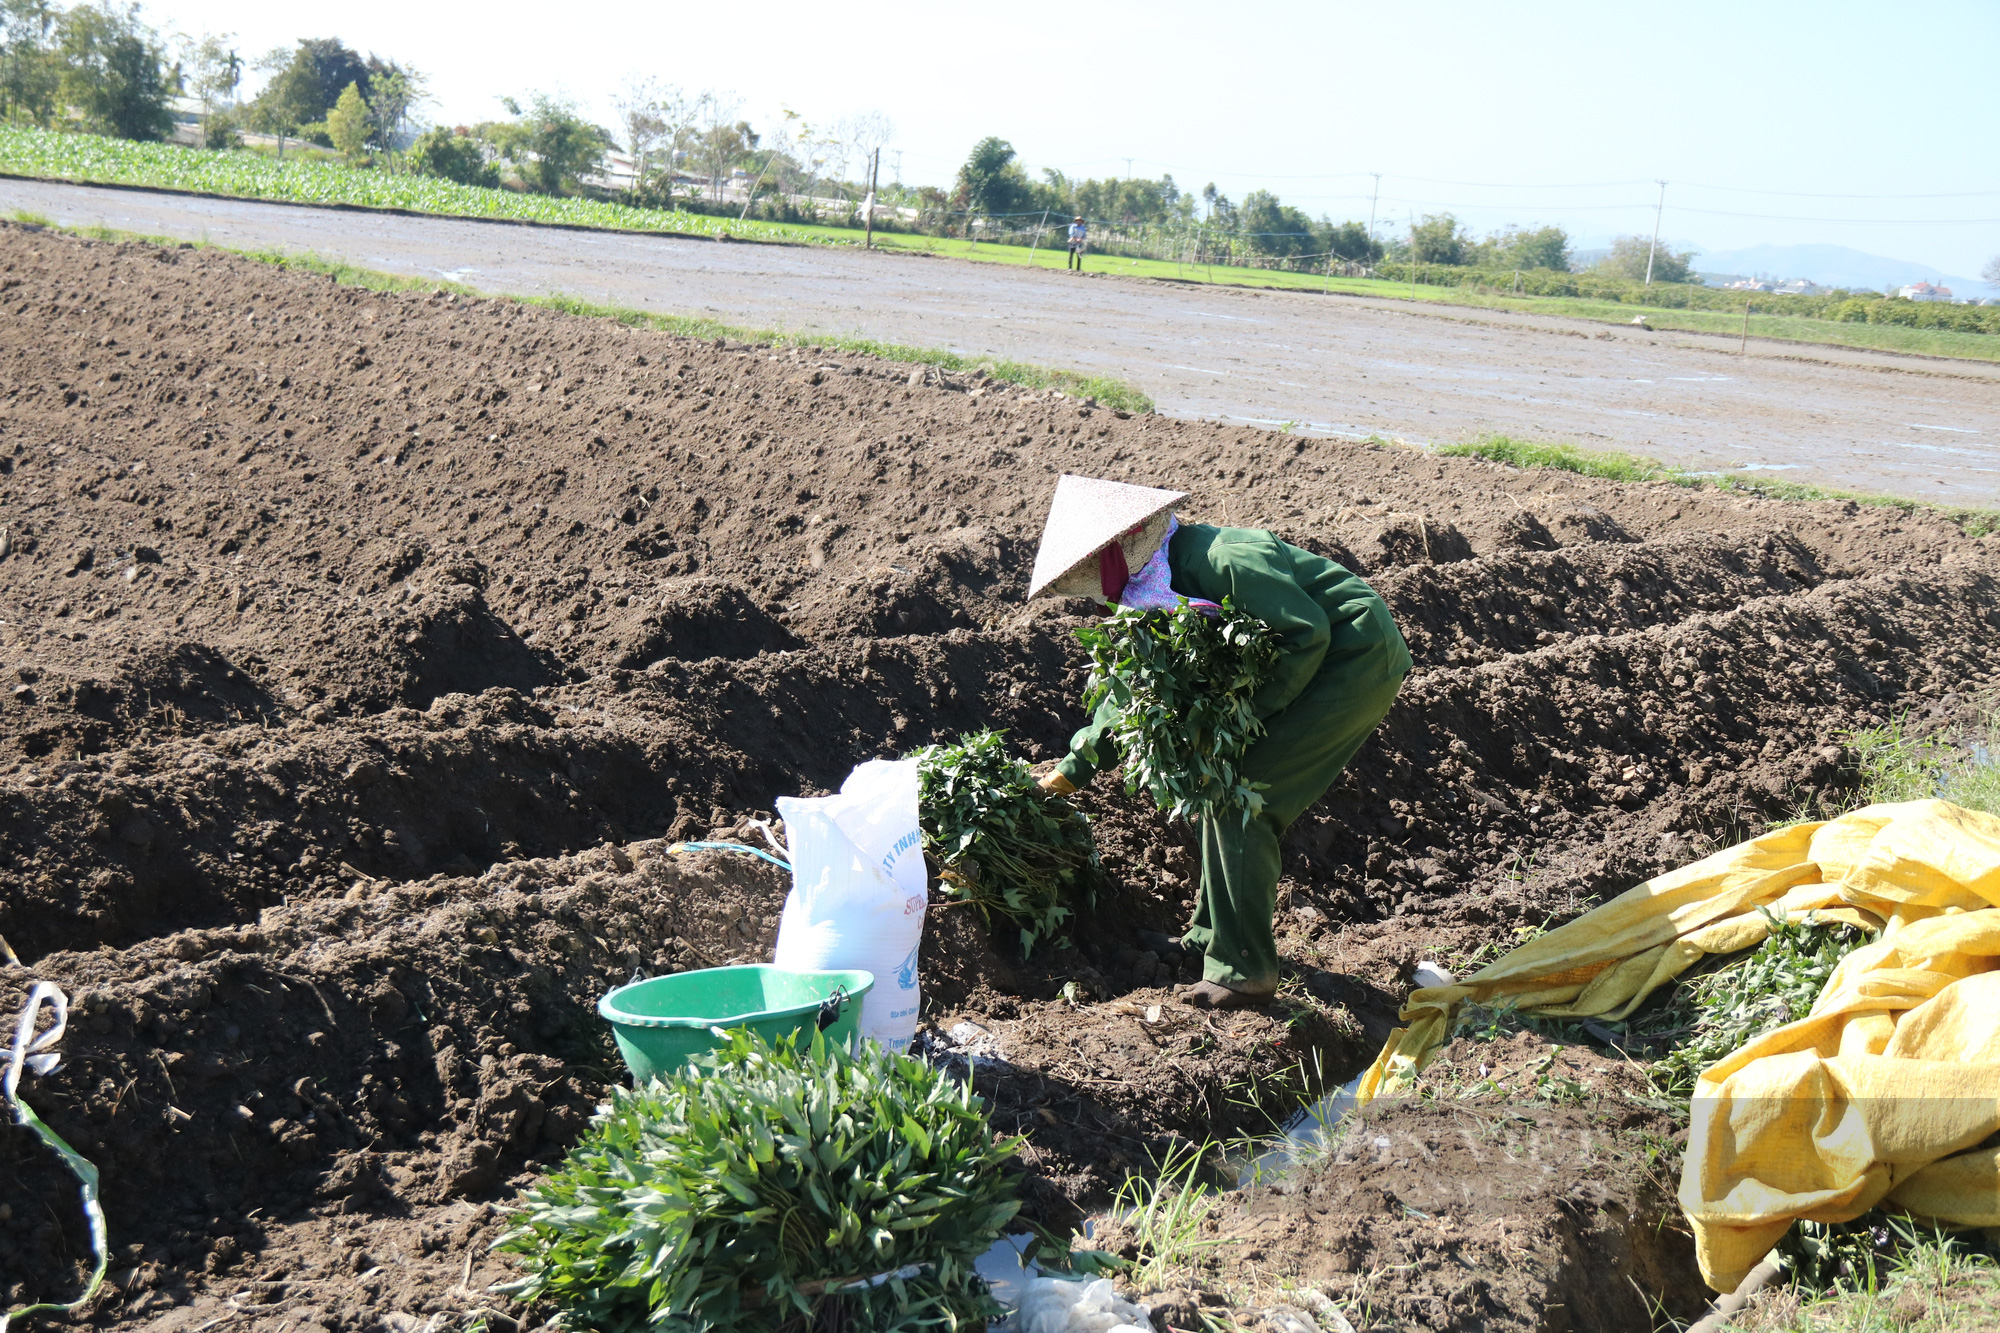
662 1021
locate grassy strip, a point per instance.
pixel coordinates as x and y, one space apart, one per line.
1608 464
1613 465
250 174
1779 328
1527 454
1883 1275
1099 389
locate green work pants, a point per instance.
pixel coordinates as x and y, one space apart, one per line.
1305 746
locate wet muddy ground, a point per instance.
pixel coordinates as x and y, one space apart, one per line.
1334 365
363 653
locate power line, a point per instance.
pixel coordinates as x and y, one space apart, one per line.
1859 222
1541 185
1637 204
1796 194
1498 185
1376 198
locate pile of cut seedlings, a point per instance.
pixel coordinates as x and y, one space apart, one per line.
1001 843
1757 992
774 1187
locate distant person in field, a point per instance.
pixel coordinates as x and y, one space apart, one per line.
1078 234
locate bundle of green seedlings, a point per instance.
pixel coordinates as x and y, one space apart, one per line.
787 1187
1000 842
1182 683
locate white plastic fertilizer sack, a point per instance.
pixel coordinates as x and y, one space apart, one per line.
1057 1305
858 891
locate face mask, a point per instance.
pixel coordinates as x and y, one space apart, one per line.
1151 589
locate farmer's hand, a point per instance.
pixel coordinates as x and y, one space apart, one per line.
1054 783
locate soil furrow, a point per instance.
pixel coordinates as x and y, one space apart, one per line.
1480 609
364 651
1612 756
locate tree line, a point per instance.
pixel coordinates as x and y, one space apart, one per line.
99 67
994 187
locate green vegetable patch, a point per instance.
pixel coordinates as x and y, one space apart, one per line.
793 1187
303 179
1001 843
1183 684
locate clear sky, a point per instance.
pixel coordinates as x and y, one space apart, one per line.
1774 121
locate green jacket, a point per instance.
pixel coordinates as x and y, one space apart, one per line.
1327 619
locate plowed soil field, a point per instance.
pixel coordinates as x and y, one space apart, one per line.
365 652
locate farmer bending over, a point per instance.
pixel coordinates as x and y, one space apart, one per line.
1078 234
1340 662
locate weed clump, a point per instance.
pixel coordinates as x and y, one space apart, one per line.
1608 464
1001 843
790 1187
1896 765
1183 683
1167 1217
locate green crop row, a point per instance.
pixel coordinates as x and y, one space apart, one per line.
311 180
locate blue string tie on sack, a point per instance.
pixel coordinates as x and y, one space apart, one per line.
677 848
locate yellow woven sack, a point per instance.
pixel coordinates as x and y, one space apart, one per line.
1883 1094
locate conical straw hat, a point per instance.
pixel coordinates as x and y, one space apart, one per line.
1086 516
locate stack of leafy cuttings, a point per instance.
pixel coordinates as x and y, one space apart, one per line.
1776 983
1000 842
1183 683
788 1187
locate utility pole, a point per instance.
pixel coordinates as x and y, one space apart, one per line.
1128 168
1372 200
899 166
874 173
1413 254
1658 209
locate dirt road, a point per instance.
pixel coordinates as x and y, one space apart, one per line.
1336 365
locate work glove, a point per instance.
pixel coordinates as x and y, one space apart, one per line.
1054 783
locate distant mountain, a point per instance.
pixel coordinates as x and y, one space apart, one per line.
1833 266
